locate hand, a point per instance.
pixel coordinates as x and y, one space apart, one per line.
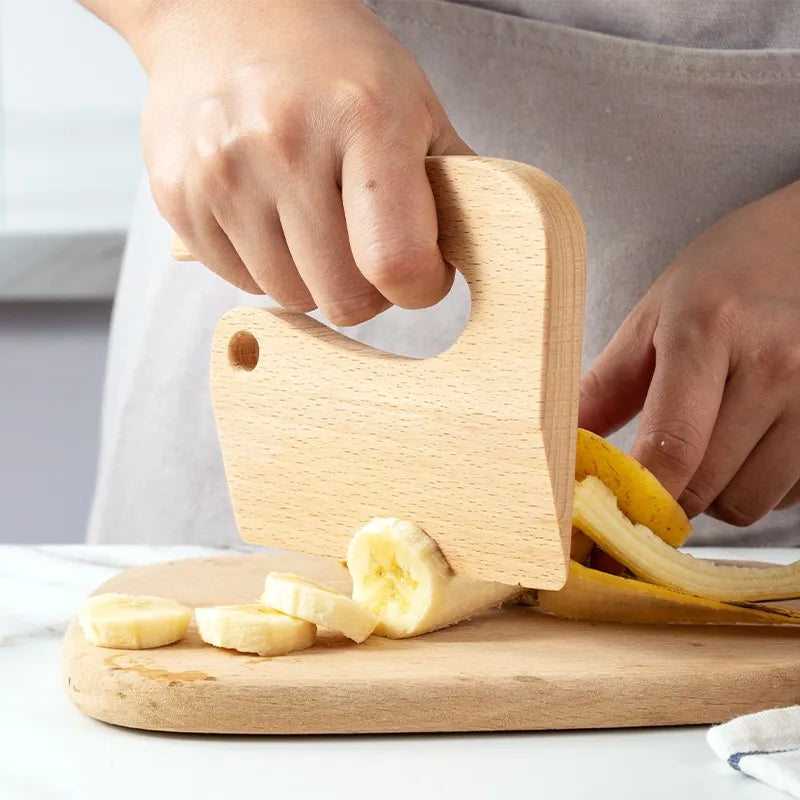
711 355
285 144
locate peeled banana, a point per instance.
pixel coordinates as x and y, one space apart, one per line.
133 622
253 628
325 607
401 576
599 597
596 512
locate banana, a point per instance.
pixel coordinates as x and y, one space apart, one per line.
132 622
253 628
595 596
325 607
596 512
640 495
401 576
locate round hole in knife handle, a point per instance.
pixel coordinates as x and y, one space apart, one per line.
243 351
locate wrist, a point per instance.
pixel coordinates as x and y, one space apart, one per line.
144 23
139 22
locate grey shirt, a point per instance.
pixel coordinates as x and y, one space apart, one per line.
658 117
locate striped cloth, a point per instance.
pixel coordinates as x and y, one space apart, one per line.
765 746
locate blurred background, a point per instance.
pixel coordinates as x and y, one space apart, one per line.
70 93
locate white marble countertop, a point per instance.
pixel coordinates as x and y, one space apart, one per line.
48 749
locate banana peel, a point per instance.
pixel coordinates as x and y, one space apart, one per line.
640 495
596 512
595 596
635 526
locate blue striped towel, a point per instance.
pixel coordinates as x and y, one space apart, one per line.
765 746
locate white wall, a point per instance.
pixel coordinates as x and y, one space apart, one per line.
69 162
70 92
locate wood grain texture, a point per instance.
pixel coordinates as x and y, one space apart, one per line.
477 446
513 670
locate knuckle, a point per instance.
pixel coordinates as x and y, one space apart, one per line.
219 160
289 296
283 134
672 339
362 101
298 304
693 332
390 265
674 445
776 364
738 512
697 497
168 195
347 312
591 386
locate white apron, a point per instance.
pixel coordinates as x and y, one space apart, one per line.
659 118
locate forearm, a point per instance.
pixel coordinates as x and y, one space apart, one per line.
142 22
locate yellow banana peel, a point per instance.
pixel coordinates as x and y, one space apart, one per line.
596 596
595 511
625 520
640 495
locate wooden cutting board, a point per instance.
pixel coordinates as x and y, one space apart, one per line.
513 670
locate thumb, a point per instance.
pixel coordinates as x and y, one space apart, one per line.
614 388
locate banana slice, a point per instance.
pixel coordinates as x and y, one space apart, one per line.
596 513
133 622
311 602
401 576
595 596
641 496
253 628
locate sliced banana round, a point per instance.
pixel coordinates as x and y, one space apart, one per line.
325 607
401 576
253 628
133 622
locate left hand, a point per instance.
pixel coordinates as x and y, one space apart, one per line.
711 356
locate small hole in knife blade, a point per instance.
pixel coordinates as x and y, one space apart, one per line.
243 351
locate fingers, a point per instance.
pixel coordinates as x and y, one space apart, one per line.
207 241
297 248
316 234
791 499
256 230
391 220
682 404
268 213
614 388
767 477
731 441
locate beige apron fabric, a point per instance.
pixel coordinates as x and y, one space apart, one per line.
655 141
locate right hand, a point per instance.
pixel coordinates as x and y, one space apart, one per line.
286 144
